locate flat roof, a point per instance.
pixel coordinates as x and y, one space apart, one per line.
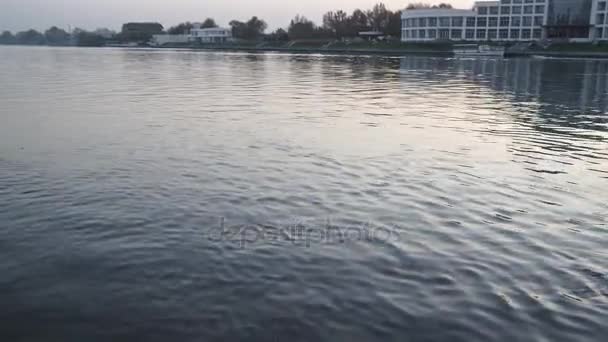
437 12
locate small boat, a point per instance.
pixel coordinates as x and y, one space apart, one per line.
474 50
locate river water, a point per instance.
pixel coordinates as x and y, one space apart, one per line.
158 195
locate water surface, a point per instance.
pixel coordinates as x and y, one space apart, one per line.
195 196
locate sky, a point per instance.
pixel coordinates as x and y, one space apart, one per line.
18 15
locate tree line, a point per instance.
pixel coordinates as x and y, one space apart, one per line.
421 5
335 25
55 36
339 24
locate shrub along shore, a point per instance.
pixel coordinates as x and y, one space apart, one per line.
361 47
396 48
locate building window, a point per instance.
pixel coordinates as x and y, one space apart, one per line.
422 22
538 21
444 34
504 21
414 22
492 34
529 1
516 10
482 22
494 10
518 1
537 33
599 33
481 34
407 34
456 34
600 19
422 34
470 34
471 21
482 10
505 10
432 22
539 9
601 6
457 21
516 21
414 34
493 21
503 34
444 22
432 34
527 21
528 9
505 1
526 34
514 34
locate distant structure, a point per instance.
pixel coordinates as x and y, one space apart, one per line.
142 27
142 32
209 35
509 20
105 33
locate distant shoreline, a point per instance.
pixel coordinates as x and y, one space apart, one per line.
394 52
367 51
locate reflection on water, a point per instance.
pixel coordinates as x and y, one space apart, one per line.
179 195
557 108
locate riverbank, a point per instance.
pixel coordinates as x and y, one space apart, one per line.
327 47
570 50
402 49
312 50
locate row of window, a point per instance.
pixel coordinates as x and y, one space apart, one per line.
471 34
526 9
506 2
473 21
210 33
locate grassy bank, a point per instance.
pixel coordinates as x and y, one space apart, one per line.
397 48
329 46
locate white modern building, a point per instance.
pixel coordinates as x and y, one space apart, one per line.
210 35
508 20
213 35
599 19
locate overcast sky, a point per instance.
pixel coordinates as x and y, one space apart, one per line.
16 15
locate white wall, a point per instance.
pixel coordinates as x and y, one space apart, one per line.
162 39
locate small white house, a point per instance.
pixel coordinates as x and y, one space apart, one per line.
211 35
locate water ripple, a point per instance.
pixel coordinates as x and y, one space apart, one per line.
158 195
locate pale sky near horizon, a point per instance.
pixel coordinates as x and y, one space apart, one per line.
18 15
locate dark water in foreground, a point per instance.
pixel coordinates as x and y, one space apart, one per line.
363 198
